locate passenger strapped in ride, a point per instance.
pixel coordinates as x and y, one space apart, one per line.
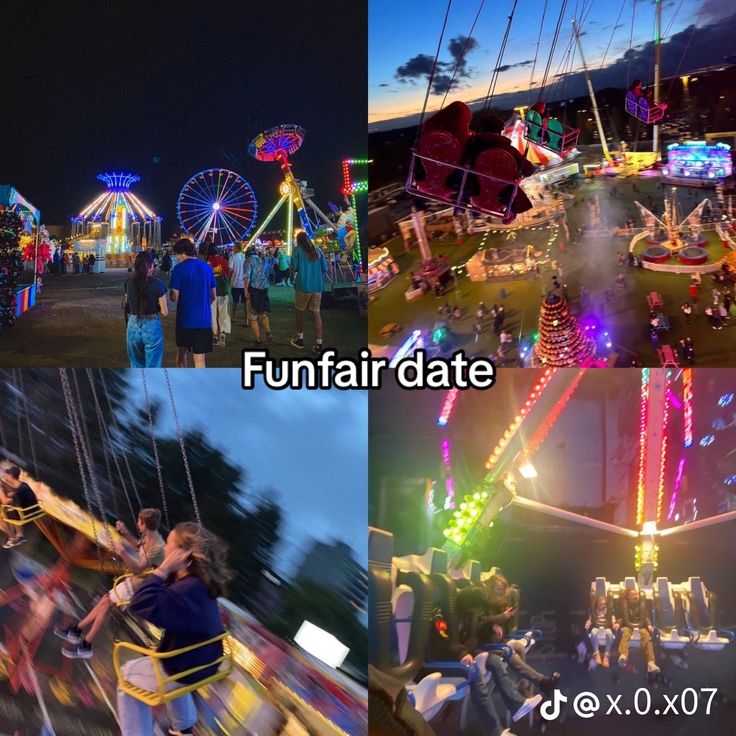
640 105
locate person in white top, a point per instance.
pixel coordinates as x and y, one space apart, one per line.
236 265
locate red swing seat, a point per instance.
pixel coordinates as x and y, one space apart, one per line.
440 154
493 185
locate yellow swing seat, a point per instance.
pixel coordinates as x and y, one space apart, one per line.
161 695
120 579
17 516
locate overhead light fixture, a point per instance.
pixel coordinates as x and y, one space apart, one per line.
527 470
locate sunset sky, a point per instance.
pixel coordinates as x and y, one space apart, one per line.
403 41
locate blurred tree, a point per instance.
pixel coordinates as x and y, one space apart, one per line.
35 398
327 609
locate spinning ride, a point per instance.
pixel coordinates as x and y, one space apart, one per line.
671 235
117 221
276 145
219 204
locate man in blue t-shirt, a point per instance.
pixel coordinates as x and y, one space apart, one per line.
193 289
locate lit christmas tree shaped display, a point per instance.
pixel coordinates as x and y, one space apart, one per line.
10 227
561 342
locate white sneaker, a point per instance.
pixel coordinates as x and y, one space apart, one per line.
527 707
652 667
507 732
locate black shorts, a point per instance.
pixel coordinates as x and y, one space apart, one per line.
259 301
238 295
199 341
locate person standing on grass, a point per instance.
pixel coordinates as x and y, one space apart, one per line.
221 307
236 265
146 299
258 304
193 289
309 268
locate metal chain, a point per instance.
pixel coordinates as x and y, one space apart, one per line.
116 427
110 443
28 422
152 430
76 431
183 450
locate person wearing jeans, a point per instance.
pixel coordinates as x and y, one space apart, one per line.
146 299
180 597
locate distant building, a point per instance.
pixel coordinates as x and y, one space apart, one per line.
335 567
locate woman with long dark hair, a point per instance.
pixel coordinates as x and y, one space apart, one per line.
146 302
309 267
180 597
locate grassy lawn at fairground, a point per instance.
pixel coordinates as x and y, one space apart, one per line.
589 262
78 322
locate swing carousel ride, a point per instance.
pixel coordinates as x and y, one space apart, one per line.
258 680
518 194
680 419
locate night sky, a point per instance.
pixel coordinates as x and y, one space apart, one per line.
165 89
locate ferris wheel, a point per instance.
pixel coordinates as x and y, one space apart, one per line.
218 203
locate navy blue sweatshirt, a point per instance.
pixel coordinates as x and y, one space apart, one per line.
187 614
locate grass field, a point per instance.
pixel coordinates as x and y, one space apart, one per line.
78 322
591 263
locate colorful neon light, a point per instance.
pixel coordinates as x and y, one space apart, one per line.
414 341
643 412
464 519
663 458
687 397
676 492
449 480
447 407
352 187
534 395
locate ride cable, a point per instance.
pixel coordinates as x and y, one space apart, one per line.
71 411
29 427
106 441
434 69
536 54
118 433
496 69
183 448
461 58
152 431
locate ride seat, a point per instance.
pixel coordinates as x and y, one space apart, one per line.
670 616
469 572
440 155
496 172
702 609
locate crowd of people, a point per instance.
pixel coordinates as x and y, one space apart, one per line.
207 288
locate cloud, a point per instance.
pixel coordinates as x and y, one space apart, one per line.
418 66
459 48
506 67
448 74
384 84
713 10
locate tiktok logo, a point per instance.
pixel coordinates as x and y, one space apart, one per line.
550 710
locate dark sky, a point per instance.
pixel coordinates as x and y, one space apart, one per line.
90 86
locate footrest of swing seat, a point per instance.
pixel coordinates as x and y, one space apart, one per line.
17 516
159 697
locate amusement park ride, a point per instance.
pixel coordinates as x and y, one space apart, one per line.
404 591
258 674
117 221
220 205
